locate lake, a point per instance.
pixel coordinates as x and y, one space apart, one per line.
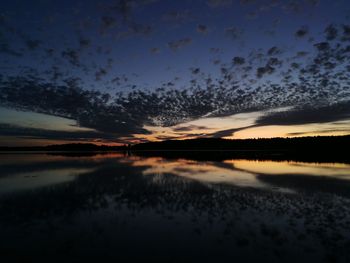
118 206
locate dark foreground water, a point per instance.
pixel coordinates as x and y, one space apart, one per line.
107 207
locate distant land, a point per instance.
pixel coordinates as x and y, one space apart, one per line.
308 149
321 143
318 149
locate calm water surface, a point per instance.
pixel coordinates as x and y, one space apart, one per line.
113 206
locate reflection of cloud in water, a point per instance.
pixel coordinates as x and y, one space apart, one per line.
335 170
208 172
25 158
245 173
33 180
30 171
115 205
42 157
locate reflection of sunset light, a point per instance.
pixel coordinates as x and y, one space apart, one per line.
44 157
103 156
273 167
207 172
32 180
238 172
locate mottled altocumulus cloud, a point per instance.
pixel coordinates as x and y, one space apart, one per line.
305 115
189 128
177 44
43 134
313 79
319 93
89 108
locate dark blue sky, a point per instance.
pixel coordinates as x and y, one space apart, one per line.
229 57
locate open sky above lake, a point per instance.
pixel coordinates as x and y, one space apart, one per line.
119 71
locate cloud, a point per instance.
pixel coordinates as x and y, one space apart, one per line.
219 3
189 128
322 46
108 22
195 71
34 133
6 49
331 32
178 44
238 60
330 113
323 131
274 51
84 42
155 50
269 68
101 72
302 32
32 44
301 54
72 56
234 32
140 29
215 50
202 29
346 33
123 8
89 108
182 136
121 79
309 84
177 17
319 80
228 132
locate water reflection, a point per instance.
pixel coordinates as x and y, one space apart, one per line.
254 173
123 207
207 172
338 170
26 171
37 179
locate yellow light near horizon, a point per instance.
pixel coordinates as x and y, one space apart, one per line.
292 131
291 167
219 124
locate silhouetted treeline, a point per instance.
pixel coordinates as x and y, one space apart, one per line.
299 143
316 149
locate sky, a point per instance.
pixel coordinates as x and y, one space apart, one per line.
130 71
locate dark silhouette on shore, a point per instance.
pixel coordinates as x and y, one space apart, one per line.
318 149
261 144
